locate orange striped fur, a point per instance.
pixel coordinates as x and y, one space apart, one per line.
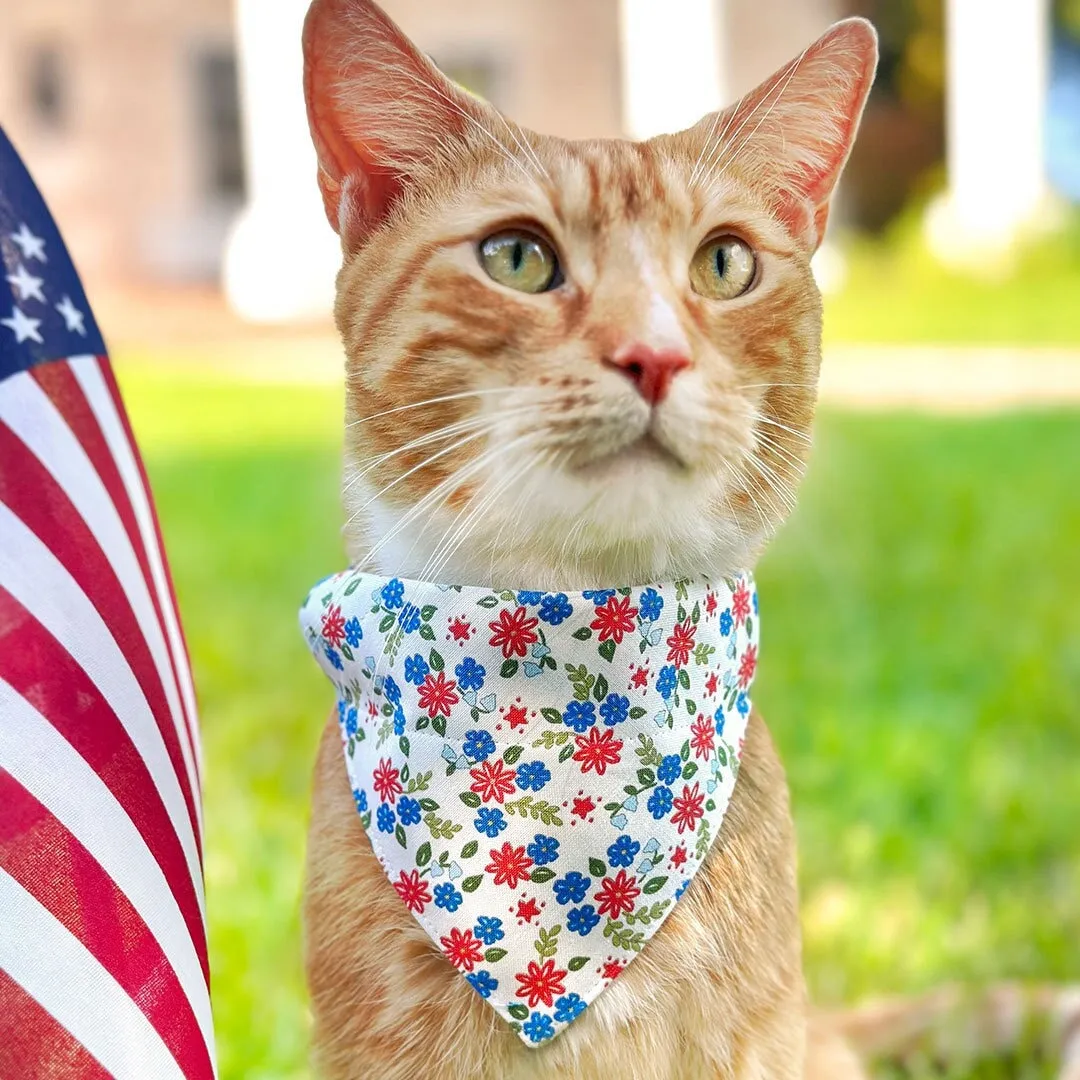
491 440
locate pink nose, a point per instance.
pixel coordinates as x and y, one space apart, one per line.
650 370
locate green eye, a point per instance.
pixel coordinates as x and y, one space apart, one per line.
722 268
519 260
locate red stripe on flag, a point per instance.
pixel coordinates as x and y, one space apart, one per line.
39 668
63 389
29 490
87 902
34 1043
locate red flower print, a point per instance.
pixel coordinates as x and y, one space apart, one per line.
703 732
462 950
437 694
612 969
681 643
711 684
541 983
460 630
640 678
597 751
493 781
413 890
514 633
333 625
747 666
678 857
385 781
710 602
740 603
614 619
528 909
617 895
509 865
583 807
516 715
688 808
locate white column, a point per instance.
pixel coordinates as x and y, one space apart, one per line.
997 57
672 63
282 255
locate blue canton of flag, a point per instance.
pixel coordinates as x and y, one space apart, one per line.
44 313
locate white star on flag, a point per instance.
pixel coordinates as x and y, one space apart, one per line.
73 317
29 286
32 247
22 326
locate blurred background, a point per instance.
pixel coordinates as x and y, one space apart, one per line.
923 605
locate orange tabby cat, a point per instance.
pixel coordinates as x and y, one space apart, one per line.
552 346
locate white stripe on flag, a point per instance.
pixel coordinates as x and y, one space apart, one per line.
32 416
87 371
34 576
46 764
57 970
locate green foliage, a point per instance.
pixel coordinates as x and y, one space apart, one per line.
920 675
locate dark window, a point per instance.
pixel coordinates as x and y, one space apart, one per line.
48 96
218 115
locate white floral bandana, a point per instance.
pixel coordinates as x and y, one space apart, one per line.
540 774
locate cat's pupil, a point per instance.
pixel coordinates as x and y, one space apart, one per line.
721 262
517 257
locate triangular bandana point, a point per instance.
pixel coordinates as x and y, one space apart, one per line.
540 774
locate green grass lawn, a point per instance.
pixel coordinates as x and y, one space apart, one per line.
921 674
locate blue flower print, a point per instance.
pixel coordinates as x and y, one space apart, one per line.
385 818
726 621
527 596
599 596
539 1027
352 722
580 715
489 929
446 896
470 674
416 668
409 619
360 798
670 769
719 719
332 656
483 982
556 608
665 681
543 849
392 593
582 920
753 600
569 1007
490 821
409 811
623 852
353 632
682 888
532 776
478 745
392 690
742 703
571 888
615 710
399 720
650 605
659 802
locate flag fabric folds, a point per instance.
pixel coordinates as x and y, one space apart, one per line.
103 949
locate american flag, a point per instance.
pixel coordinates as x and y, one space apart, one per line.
103 965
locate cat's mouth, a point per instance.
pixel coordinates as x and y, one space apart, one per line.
645 451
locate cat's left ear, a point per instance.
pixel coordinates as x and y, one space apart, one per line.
794 132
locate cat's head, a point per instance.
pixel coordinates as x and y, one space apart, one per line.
572 364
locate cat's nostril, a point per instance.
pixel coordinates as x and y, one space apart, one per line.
650 370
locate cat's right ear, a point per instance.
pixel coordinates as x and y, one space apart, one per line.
381 114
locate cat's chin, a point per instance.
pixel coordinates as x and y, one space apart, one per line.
644 454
